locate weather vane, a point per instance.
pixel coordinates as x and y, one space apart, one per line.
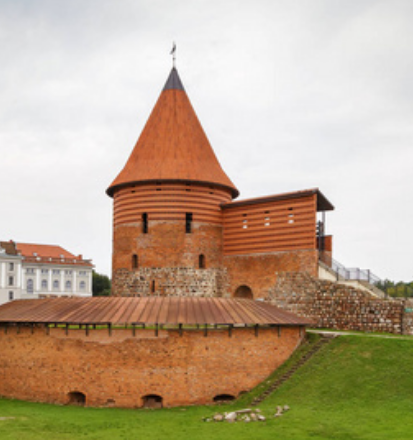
173 53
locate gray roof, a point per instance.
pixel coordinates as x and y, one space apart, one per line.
173 82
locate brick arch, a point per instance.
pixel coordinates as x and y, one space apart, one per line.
76 398
243 291
152 401
222 398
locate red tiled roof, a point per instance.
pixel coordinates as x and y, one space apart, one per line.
173 146
43 250
147 310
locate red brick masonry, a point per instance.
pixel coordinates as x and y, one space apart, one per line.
119 370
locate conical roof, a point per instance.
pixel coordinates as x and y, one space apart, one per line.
173 146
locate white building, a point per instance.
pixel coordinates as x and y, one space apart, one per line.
38 270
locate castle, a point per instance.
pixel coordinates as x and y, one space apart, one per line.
179 243
177 229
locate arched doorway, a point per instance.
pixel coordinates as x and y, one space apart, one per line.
76 398
152 401
243 292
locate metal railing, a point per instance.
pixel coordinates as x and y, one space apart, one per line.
354 273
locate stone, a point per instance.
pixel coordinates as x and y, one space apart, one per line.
286 408
247 419
261 418
218 417
231 417
243 411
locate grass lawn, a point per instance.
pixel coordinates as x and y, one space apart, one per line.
354 388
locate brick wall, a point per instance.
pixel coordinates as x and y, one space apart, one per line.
338 306
119 370
259 271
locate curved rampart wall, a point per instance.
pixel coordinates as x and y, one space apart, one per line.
119 370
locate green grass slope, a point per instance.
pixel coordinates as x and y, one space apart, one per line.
354 388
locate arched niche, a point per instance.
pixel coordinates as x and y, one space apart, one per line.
76 398
152 401
243 292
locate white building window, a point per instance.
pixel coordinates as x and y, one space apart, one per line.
82 285
68 272
44 284
56 285
11 281
68 285
56 272
82 273
30 270
11 296
11 268
29 285
45 271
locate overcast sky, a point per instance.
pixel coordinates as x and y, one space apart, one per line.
292 95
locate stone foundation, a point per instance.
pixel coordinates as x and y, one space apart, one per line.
165 281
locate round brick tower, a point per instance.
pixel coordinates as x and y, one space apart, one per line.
167 221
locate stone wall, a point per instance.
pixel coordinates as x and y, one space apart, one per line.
338 306
165 281
119 370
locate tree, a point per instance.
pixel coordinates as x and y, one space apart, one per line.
101 284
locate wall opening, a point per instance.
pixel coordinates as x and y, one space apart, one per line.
135 261
243 292
153 286
201 261
188 222
223 398
76 398
152 401
145 223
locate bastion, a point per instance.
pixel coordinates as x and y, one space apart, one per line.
141 352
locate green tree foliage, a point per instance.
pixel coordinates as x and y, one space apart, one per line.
396 290
101 284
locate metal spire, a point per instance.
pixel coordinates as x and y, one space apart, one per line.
173 53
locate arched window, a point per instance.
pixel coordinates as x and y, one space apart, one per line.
82 285
152 401
135 261
30 285
68 285
76 398
44 284
202 261
56 285
243 292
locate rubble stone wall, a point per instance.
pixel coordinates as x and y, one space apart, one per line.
119 370
165 281
333 305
